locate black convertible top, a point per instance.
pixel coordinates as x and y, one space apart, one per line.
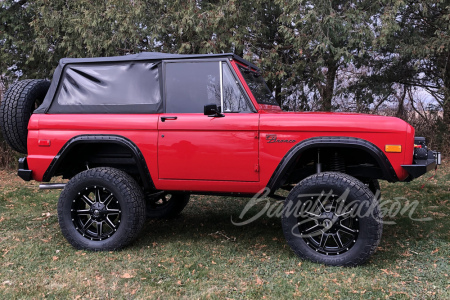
152 56
140 57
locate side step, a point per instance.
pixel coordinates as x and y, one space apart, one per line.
52 186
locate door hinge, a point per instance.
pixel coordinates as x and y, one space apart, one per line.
257 168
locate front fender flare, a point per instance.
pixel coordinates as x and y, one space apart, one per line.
327 142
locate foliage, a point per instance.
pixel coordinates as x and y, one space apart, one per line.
328 36
413 49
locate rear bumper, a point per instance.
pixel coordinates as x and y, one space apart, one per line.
422 166
23 171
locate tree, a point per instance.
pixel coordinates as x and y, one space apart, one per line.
328 35
247 28
16 41
416 38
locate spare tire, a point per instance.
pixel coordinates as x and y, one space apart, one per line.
21 99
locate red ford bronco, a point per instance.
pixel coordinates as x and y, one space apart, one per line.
136 135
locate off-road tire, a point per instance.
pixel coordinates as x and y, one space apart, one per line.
21 99
127 199
366 230
166 205
374 187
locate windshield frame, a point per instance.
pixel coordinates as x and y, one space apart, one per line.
257 78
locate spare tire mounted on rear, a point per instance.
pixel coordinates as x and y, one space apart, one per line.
21 99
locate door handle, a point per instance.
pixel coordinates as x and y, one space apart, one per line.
163 119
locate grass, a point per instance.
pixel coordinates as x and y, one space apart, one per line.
201 254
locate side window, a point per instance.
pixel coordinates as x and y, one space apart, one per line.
109 87
233 99
191 85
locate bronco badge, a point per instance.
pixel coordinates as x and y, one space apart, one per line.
272 138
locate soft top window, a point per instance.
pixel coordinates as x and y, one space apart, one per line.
191 85
113 87
258 86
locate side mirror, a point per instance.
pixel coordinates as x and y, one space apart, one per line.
212 110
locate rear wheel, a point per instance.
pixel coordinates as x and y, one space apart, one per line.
101 209
332 218
21 99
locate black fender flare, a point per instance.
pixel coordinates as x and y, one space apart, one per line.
327 142
100 138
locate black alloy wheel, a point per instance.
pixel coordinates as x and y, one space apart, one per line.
96 213
328 227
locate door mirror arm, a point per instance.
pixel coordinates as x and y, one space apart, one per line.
212 110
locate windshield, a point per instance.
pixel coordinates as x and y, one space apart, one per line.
258 86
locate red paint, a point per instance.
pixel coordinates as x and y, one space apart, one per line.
44 143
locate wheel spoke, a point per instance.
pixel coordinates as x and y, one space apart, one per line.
321 204
99 229
310 230
108 199
97 196
323 240
113 212
333 200
345 229
83 212
88 224
110 224
87 200
311 214
345 214
338 240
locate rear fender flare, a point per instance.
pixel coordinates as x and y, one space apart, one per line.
112 139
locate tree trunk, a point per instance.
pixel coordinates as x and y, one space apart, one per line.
401 103
328 88
446 105
278 92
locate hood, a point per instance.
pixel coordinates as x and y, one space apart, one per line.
330 122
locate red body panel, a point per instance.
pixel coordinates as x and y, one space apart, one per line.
300 126
60 128
198 147
229 154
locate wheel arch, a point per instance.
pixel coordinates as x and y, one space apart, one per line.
291 158
95 144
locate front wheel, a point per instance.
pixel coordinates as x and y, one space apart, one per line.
101 209
332 218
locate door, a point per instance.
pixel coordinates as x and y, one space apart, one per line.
193 146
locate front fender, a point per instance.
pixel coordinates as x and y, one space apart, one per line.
291 156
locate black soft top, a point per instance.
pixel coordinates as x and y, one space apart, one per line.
152 56
143 56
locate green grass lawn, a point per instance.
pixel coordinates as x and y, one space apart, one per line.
201 254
